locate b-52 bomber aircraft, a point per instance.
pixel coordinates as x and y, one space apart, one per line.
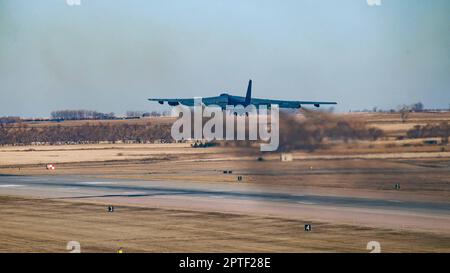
225 99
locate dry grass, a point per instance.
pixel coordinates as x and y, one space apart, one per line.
33 225
32 155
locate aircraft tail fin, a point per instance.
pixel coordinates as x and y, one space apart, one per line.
248 96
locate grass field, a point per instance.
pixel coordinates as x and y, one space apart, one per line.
36 225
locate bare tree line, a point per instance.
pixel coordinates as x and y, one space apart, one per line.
23 134
80 114
441 130
307 134
7 120
138 114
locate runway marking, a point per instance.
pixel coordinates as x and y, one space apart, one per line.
306 203
10 186
133 192
68 188
217 196
96 183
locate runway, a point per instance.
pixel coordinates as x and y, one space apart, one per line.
57 186
239 197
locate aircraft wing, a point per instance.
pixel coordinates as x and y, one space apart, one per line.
220 100
288 103
175 102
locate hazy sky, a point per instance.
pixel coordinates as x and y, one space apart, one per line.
110 55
